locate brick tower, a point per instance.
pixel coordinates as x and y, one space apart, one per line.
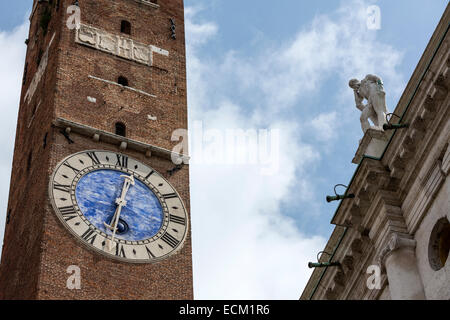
114 85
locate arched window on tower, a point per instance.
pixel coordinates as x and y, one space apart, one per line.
120 129
125 27
122 81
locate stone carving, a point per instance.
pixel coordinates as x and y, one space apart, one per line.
140 53
371 89
117 45
87 35
107 43
396 241
125 48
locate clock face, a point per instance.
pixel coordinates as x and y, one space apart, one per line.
118 206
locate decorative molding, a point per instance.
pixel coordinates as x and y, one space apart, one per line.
126 87
117 45
148 3
372 144
423 194
119 141
397 241
348 263
371 177
441 87
385 196
331 294
385 218
445 166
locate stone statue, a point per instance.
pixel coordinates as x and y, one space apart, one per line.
371 89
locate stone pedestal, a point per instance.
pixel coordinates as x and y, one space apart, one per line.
372 144
403 275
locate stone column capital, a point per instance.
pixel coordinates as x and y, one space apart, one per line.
395 242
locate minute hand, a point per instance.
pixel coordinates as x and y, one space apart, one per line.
121 202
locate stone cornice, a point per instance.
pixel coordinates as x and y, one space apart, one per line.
318 273
372 144
445 164
339 282
404 145
122 142
409 145
426 57
376 208
377 222
414 156
355 264
381 185
370 177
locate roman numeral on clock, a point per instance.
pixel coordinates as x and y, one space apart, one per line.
93 157
68 212
170 240
120 251
122 161
150 254
179 220
170 196
61 187
89 235
69 166
148 176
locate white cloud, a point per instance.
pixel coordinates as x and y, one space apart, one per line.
244 247
325 125
199 33
13 57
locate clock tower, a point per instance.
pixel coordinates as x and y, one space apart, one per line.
98 205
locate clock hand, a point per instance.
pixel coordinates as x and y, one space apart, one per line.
121 202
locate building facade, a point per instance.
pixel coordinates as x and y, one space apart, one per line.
97 207
392 239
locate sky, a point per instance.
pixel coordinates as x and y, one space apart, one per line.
277 72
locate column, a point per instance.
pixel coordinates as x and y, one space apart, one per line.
400 264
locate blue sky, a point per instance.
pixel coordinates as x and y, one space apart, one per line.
260 64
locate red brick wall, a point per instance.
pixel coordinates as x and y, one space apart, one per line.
37 248
77 62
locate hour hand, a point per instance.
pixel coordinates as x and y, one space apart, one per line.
113 219
107 226
121 202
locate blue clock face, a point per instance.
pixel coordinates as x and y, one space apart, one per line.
96 195
118 206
